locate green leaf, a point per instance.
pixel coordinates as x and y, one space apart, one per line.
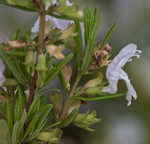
18 129
9 116
108 35
70 118
44 90
78 38
16 53
19 104
44 113
35 106
62 80
53 73
31 126
14 67
21 4
91 25
102 97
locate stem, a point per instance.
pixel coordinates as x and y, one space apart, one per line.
67 103
32 89
41 46
42 26
75 85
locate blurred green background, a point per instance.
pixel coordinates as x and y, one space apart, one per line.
120 124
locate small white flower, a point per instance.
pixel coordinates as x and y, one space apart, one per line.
115 72
55 22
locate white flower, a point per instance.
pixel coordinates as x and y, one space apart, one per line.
115 72
55 22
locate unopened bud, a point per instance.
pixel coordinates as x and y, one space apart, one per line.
108 48
93 90
29 57
85 120
67 72
41 64
67 10
57 100
53 136
68 32
94 82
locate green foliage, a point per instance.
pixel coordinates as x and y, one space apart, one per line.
33 61
37 121
101 97
53 73
14 67
78 38
18 129
9 116
34 108
108 35
85 120
21 4
91 25
20 103
70 118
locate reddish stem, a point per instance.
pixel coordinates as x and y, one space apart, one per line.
36 3
32 89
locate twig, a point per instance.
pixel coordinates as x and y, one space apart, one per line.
32 89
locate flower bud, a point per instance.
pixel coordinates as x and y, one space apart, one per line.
67 72
85 120
57 100
29 59
94 82
53 136
41 64
71 11
93 90
68 32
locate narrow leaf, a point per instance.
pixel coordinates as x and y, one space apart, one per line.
44 113
9 116
108 35
62 80
91 25
78 38
34 107
70 118
18 129
20 4
53 73
100 97
14 67
31 126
